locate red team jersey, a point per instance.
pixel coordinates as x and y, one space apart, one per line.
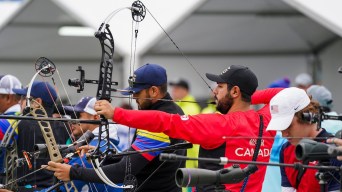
308 182
213 130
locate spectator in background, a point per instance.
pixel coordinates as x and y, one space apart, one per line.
272 180
210 108
211 105
324 98
180 91
283 82
303 81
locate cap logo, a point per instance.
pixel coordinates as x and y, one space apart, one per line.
225 71
296 108
274 109
81 99
184 117
131 80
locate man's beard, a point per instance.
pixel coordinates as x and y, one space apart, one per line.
146 103
224 105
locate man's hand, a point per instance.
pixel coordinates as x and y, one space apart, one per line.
61 170
85 149
337 142
5 190
103 107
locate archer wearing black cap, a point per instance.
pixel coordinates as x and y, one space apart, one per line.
239 76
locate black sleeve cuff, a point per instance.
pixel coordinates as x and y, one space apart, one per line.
85 174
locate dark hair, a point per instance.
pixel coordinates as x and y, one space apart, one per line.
244 96
163 88
15 97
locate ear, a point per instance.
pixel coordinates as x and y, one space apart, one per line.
39 100
36 101
154 91
235 92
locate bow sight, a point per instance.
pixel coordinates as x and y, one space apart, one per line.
81 81
319 117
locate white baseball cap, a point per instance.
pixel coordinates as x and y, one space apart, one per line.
303 79
86 104
284 105
8 83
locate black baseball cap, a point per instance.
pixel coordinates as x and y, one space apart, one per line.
237 75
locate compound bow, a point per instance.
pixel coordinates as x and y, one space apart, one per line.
104 90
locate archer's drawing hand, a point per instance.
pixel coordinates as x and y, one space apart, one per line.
5 190
103 107
338 143
61 170
85 149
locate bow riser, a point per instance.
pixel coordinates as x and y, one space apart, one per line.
106 66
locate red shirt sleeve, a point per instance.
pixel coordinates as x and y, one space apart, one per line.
264 96
204 129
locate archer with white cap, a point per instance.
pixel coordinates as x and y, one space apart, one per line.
292 111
